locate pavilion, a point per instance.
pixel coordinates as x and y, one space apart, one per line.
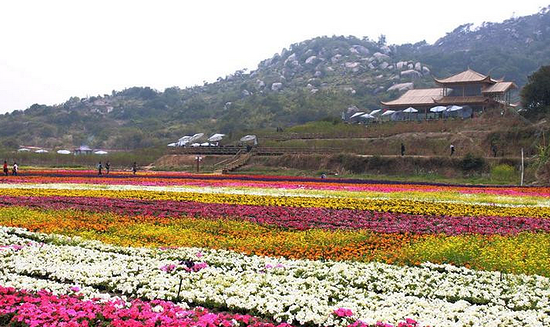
469 88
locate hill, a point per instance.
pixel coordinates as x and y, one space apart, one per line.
310 80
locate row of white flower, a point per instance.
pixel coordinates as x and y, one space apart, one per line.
450 197
298 291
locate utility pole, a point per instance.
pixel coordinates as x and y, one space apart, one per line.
522 167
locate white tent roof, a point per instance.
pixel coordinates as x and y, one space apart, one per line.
63 151
248 138
374 112
367 116
41 151
196 137
357 114
438 109
23 150
454 108
172 144
410 110
388 112
100 152
216 137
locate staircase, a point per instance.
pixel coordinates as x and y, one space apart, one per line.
236 162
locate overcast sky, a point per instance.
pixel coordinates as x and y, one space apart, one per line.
52 50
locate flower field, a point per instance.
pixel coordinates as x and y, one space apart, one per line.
172 249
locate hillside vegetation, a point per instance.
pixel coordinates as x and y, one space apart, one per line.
309 81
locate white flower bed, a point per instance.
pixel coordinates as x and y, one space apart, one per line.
298 291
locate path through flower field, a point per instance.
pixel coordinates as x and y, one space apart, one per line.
173 249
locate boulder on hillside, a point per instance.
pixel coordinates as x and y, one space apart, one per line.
401 87
311 60
418 66
384 65
400 65
260 84
361 49
245 93
351 64
335 58
381 57
353 51
411 73
426 70
385 49
276 86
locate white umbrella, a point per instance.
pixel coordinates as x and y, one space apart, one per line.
438 109
23 150
195 145
247 138
374 112
410 110
368 116
357 114
172 144
205 144
216 137
388 112
454 108
100 152
41 151
63 151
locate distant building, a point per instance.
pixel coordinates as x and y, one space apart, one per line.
83 149
468 88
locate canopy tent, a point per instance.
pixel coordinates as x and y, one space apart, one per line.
388 112
216 137
205 144
100 152
172 144
41 151
63 151
357 114
24 150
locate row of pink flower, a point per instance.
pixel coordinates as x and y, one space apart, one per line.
167 179
292 217
33 309
45 309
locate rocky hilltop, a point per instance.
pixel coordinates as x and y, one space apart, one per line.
310 80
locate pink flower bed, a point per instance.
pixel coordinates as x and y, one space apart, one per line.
292 217
22 308
42 308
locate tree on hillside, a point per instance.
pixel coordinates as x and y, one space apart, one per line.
535 95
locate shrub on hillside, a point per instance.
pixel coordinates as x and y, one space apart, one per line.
471 163
503 173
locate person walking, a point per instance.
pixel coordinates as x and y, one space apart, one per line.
99 168
134 168
15 169
494 150
452 149
107 167
402 149
5 168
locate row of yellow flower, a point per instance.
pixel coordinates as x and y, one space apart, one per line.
412 206
524 253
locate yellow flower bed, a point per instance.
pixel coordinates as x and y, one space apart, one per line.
411 206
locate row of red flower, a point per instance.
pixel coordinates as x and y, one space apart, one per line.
292 217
